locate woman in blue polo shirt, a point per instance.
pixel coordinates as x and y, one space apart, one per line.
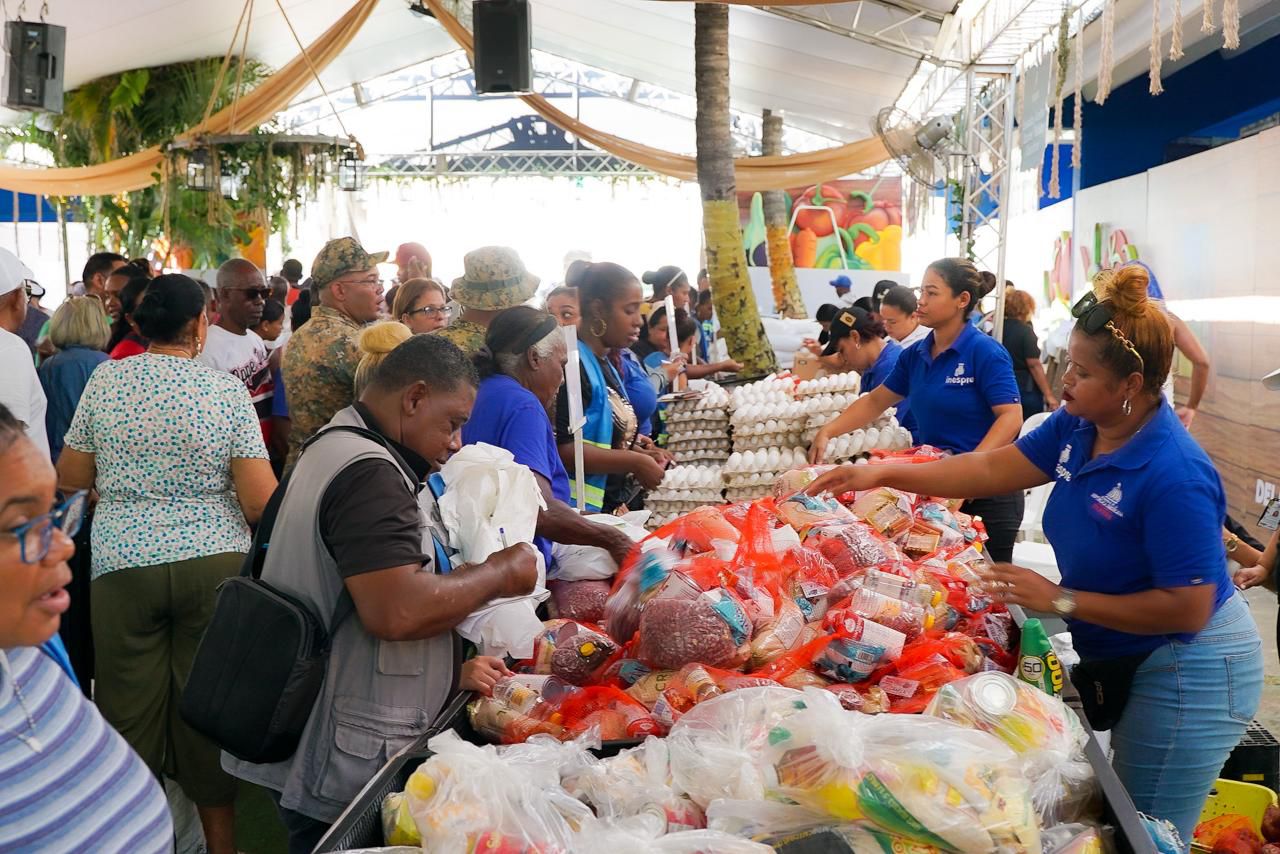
859 341
1135 519
521 367
963 394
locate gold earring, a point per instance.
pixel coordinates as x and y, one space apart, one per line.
598 332
1127 407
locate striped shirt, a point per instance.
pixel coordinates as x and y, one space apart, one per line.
84 789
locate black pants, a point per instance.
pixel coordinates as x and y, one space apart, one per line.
305 832
1032 404
1002 516
76 630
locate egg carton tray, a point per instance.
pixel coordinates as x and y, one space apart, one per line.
847 381
786 442
697 421
701 493
734 495
710 458
773 425
700 445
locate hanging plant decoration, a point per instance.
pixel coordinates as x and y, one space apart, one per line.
1206 20
1077 120
1106 54
1230 23
1063 60
1155 87
1175 41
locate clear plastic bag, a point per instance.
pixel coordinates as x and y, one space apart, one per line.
571 651
921 778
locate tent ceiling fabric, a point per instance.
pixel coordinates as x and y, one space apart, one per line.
823 82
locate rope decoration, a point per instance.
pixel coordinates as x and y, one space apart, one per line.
1156 51
1077 120
1230 24
1175 43
1106 60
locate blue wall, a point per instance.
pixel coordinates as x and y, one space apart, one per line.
27 211
1129 133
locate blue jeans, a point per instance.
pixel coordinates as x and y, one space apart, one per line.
1188 708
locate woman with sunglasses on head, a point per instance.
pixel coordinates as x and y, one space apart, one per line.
421 305
963 394
1135 519
174 450
68 781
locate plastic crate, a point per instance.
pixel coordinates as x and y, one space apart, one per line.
1231 797
1256 759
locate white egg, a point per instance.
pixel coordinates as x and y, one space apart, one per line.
749 461
735 460
774 457
873 438
771 426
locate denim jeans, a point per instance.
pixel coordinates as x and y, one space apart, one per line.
1188 708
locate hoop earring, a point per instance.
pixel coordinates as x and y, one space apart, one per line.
1127 407
598 331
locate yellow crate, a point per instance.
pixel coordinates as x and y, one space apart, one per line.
1230 797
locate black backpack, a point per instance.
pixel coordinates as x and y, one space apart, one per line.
262 660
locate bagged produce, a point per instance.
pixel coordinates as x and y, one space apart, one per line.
574 652
1228 834
609 710
581 601
912 687
778 636
1046 735
698 531
923 779
810 577
635 782
854 548
710 628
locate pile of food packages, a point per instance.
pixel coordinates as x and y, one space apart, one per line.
763 671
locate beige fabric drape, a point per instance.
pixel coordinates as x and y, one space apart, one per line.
766 3
753 173
141 170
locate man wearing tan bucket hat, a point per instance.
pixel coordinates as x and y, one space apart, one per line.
495 280
320 361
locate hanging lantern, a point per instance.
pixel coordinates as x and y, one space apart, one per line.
350 171
199 175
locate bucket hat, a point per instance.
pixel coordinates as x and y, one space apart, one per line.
495 278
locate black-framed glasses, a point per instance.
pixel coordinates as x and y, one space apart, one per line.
35 537
432 311
1093 316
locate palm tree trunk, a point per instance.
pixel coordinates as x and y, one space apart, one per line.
782 268
726 261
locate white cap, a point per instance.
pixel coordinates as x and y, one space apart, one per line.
1272 380
12 272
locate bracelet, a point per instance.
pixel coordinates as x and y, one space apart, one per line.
1232 543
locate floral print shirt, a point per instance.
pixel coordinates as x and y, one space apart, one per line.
163 431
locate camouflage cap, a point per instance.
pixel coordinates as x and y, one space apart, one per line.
340 256
495 279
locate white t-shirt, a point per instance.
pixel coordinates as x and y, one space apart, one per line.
917 334
20 388
245 358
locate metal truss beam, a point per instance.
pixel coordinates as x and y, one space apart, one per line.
490 163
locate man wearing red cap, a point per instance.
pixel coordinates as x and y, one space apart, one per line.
413 261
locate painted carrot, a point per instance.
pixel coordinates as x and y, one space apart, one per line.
805 247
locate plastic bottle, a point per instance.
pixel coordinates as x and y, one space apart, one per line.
1038 665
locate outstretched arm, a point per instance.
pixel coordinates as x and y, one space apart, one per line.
980 474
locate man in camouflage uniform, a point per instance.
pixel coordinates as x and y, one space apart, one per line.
495 279
320 361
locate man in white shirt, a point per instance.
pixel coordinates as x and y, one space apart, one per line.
232 345
20 389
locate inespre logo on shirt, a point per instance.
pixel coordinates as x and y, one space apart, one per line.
1108 506
958 378
1063 459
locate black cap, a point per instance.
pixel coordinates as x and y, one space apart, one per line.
843 324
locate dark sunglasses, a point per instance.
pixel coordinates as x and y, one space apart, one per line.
1093 316
250 293
35 537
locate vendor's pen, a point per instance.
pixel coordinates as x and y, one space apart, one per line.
502 534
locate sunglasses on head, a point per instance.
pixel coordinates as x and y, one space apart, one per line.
1093 316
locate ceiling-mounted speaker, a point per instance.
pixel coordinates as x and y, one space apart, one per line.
34 68
503 54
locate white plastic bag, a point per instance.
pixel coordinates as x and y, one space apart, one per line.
491 502
590 563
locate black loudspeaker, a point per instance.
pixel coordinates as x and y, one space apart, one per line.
35 52
502 42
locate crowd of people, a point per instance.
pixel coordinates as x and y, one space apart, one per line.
149 422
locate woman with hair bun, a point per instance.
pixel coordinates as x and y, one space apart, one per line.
175 453
1171 662
963 394
374 343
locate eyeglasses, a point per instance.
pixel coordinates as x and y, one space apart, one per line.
35 537
1094 316
250 293
431 311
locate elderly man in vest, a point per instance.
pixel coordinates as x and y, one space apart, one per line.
358 538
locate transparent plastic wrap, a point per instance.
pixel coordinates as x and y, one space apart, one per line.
698 531
791 482
852 549
779 636
806 512
911 590
581 601
636 782
480 799
1078 839
710 628
924 779
887 511
809 581
571 651
517 710
905 617
717 750
1042 730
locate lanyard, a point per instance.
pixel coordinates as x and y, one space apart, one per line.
436 484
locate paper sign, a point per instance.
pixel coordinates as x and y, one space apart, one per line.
573 378
673 343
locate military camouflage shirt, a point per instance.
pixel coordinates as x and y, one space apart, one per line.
467 335
319 373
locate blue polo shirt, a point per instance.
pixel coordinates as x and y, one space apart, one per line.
508 415
1148 515
952 395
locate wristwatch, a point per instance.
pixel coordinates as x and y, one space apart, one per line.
1064 604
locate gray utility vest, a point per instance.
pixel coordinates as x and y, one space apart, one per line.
378 695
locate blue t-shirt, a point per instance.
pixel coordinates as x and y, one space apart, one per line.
1148 515
507 415
640 394
880 371
63 377
952 395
